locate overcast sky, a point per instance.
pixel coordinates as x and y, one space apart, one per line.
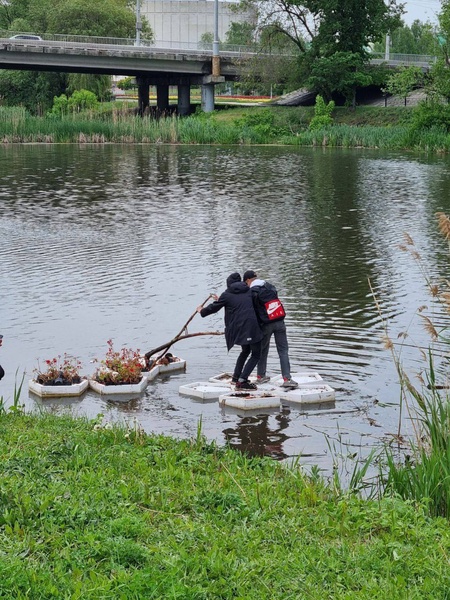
424 10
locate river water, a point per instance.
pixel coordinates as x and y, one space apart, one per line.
123 242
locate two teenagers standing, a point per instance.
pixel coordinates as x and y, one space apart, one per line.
253 313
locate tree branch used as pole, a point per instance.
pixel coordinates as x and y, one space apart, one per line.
180 335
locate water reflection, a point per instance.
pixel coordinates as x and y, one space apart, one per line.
260 435
101 242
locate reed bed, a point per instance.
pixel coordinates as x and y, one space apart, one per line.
121 126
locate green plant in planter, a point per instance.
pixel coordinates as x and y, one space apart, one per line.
59 371
119 367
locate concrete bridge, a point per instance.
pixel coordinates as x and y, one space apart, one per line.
162 67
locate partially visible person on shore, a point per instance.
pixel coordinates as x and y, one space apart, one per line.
241 327
270 312
2 372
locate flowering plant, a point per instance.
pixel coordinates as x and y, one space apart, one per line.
124 366
59 371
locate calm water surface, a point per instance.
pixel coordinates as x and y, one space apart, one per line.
124 242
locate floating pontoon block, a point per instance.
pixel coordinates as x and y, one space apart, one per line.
306 378
205 390
58 391
123 388
178 364
222 378
309 394
249 400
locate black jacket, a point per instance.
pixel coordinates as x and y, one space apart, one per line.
241 324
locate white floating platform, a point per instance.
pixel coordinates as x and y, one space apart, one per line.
57 391
125 388
205 390
309 394
306 378
249 400
221 378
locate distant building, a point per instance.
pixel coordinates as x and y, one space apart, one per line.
183 22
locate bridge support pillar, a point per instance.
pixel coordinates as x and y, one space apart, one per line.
184 99
143 84
208 97
208 91
162 97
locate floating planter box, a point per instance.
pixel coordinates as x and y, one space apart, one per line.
150 375
249 401
178 364
309 394
57 391
122 388
306 378
205 390
223 378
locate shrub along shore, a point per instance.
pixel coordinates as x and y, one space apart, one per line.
374 127
93 511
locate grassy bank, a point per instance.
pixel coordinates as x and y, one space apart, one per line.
387 128
92 512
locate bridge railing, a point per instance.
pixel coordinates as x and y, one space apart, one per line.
404 59
202 47
67 39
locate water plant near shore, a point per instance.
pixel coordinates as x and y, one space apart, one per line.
417 468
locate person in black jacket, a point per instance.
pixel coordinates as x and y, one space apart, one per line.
270 313
241 327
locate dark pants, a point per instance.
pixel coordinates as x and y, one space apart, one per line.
242 369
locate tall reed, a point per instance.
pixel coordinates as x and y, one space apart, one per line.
421 473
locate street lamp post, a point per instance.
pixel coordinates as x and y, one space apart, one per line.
138 23
215 56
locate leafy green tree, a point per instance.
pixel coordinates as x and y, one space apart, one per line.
328 26
100 85
82 100
341 72
438 83
322 114
127 83
60 105
420 38
31 89
240 34
404 81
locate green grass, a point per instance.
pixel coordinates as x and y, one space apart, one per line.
387 128
93 512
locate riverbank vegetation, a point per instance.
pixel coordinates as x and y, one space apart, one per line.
425 128
92 510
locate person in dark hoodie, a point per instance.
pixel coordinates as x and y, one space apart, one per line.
241 327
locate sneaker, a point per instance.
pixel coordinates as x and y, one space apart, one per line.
234 380
263 379
245 385
289 384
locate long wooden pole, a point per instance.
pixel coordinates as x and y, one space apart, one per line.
180 335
